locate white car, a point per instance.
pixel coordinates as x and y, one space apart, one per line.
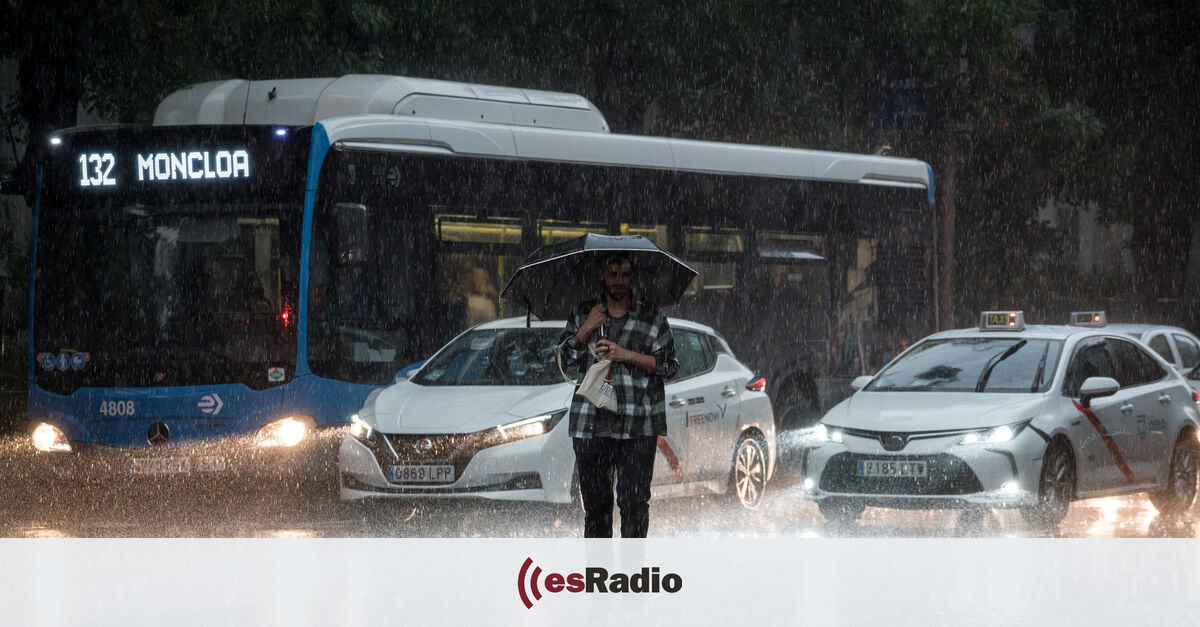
1006 415
486 416
1179 347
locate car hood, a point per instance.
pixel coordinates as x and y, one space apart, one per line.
406 407
931 411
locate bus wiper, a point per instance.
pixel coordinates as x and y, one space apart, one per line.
996 359
1037 379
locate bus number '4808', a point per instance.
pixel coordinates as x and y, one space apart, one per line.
116 408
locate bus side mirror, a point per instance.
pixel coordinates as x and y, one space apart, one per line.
861 382
1096 387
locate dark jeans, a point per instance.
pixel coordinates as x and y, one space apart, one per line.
632 461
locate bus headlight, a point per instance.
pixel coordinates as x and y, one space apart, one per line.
284 432
50 439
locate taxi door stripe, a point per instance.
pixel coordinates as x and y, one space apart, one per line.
1108 441
673 461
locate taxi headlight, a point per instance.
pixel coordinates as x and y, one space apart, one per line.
521 429
50 439
822 433
360 429
285 432
995 435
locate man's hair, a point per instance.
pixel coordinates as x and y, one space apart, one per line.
615 257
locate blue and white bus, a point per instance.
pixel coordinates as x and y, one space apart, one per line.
220 290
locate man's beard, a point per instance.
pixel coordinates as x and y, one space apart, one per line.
609 292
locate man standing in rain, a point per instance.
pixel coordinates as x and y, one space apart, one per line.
634 334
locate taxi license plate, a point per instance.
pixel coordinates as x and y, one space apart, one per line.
891 468
441 473
160 466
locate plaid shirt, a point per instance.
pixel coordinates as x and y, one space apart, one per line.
641 410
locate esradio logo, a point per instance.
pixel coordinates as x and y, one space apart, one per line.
531 581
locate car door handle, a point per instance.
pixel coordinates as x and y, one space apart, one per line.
677 402
1127 407
1164 399
727 392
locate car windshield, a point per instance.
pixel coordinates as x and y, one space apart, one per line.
496 357
973 364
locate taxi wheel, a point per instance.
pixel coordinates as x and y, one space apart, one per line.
748 476
1181 482
841 511
1056 488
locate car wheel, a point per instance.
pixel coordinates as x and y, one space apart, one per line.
748 476
841 511
1056 488
1180 492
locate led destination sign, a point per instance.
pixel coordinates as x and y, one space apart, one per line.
99 169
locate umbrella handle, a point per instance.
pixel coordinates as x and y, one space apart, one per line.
558 358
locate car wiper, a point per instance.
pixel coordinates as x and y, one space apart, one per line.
996 359
1037 378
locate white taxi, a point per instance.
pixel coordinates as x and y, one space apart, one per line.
1008 415
486 417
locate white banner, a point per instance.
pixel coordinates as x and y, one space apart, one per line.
716 581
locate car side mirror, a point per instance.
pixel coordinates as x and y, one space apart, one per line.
861 382
1095 387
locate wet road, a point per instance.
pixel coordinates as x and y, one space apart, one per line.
32 506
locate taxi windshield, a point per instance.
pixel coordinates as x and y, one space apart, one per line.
972 364
496 357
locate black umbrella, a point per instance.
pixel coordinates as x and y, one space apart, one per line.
557 277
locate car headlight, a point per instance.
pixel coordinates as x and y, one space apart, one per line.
285 432
994 435
521 429
50 439
822 433
360 429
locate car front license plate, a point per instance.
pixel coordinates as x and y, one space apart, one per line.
891 468
441 473
160 466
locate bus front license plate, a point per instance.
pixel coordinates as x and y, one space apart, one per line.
160 466
421 474
210 464
891 468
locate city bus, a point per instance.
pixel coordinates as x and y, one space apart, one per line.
220 290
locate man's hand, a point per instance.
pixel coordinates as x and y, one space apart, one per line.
593 321
607 349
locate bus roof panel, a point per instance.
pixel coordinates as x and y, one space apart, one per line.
308 101
475 139
629 150
216 102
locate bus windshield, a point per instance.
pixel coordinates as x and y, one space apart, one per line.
158 267
190 296
973 364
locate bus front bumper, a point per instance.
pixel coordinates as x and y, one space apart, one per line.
312 459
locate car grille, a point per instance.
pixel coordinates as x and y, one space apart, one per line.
455 449
946 475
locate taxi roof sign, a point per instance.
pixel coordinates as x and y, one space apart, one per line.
1088 319
1002 321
